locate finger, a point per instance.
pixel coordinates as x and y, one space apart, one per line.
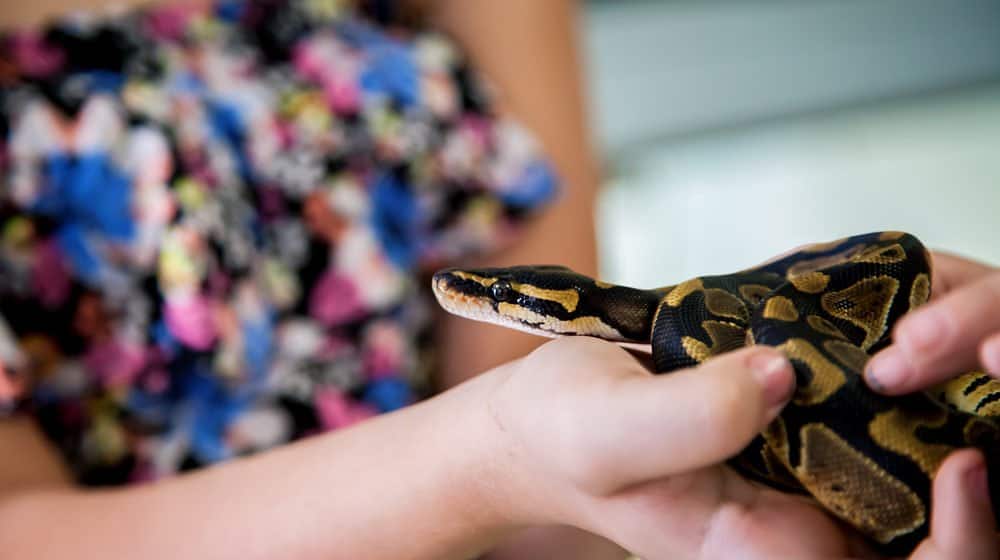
950 271
716 513
989 354
938 340
962 523
654 426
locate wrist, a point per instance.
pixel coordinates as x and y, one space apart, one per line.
500 462
479 474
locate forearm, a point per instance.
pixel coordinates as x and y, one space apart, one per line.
406 485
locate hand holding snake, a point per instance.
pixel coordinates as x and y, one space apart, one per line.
866 458
579 435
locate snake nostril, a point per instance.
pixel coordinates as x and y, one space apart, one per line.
440 282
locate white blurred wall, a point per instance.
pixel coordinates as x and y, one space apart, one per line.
661 67
713 170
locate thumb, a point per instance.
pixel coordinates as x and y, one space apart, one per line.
655 426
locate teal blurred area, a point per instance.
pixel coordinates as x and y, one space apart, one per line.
734 130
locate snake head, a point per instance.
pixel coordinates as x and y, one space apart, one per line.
546 300
484 293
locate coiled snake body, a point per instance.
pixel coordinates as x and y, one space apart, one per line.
867 458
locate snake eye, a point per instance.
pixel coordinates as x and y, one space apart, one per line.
501 291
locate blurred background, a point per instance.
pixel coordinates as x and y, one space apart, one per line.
734 130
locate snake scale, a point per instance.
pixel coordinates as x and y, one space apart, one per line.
867 458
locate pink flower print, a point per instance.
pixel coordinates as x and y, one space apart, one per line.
307 60
218 283
343 96
336 411
334 346
476 130
381 362
330 63
190 319
115 362
143 472
335 300
384 350
168 22
9 389
286 134
35 58
156 381
49 275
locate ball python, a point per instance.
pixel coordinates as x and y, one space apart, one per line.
866 458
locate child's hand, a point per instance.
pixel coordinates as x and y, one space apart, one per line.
583 435
588 437
959 330
583 413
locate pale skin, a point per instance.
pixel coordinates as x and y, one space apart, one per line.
544 93
534 450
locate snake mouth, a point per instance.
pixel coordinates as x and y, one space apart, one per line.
470 299
458 297
445 295
472 294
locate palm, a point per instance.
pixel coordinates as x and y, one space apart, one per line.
713 511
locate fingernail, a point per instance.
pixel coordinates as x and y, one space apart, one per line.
888 370
976 482
924 329
774 373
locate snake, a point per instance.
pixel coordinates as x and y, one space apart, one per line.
866 458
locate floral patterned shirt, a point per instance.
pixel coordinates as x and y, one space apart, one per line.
214 221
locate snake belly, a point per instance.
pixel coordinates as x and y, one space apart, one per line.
867 458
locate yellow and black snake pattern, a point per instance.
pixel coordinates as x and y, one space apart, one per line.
867 458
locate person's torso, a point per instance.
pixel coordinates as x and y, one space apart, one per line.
212 224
